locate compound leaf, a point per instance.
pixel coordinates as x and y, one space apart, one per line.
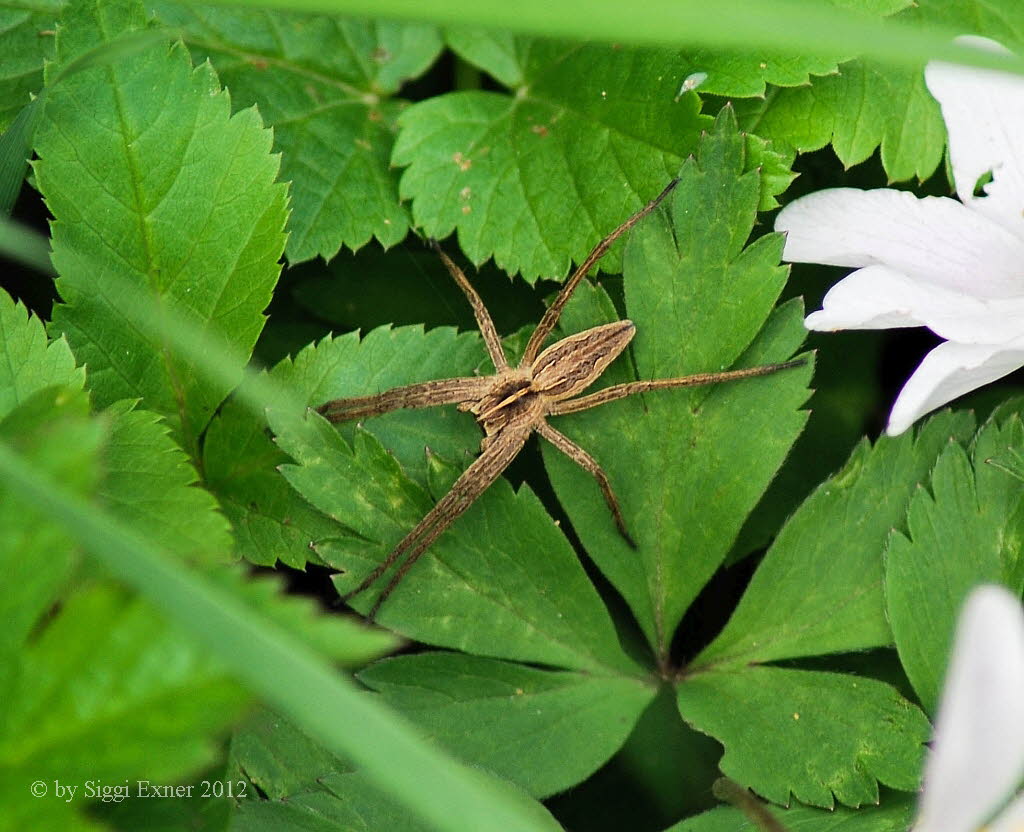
326 85
164 192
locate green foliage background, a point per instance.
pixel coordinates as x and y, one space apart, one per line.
235 197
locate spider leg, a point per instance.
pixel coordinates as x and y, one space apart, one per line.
589 464
620 391
551 316
483 317
424 394
485 469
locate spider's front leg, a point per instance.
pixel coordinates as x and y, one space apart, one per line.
410 397
485 469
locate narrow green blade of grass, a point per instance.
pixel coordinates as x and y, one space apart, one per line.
23 244
800 27
284 672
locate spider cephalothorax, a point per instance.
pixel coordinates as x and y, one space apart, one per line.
516 401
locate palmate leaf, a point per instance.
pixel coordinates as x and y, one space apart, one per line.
536 177
477 590
688 465
964 532
869 105
310 789
326 85
164 191
819 590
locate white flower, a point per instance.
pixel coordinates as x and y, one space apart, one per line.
954 267
977 756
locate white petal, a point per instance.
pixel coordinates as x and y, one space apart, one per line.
977 757
877 297
984 115
1010 819
949 371
934 239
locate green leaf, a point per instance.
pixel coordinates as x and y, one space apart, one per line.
385 358
522 597
28 31
808 734
535 178
965 532
688 465
104 683
308 788
530 590
865 107
326 85
820 587
162 191
869 104
150 483
544 730
343 638
272 521
746 74
28 362
277 758
50 427
894 816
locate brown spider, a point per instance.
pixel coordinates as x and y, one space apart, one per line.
516 401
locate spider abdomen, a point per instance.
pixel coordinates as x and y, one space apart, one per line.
571 365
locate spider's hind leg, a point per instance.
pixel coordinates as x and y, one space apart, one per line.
589 464
485 469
